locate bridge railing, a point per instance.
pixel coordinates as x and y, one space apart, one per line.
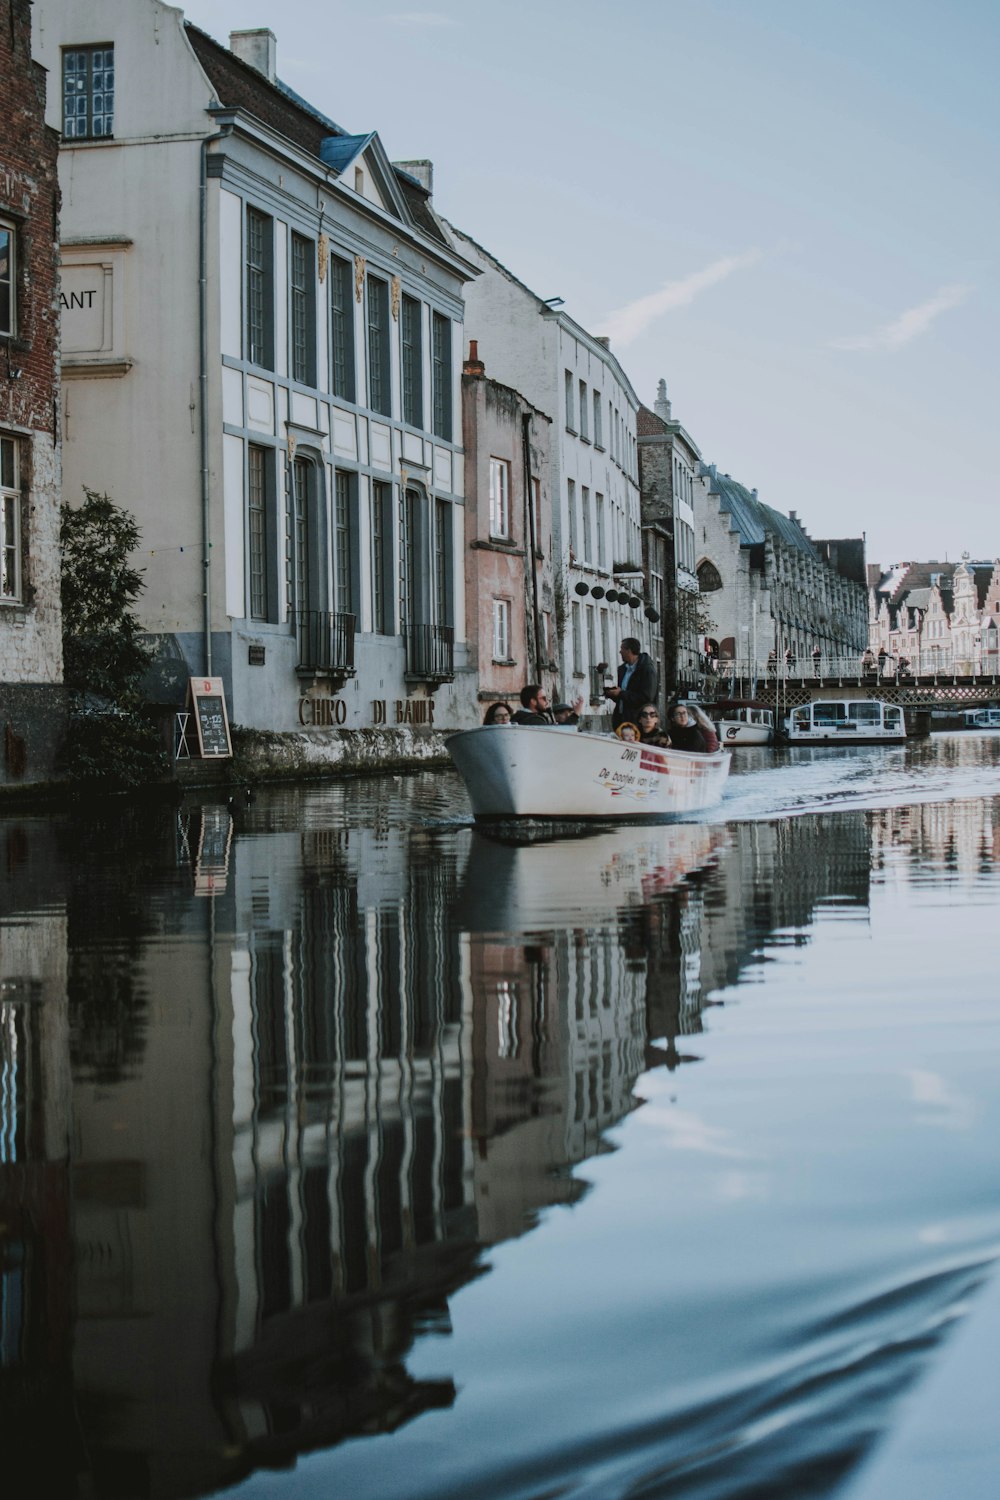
852 668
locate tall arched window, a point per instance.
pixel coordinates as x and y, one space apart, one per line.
709 579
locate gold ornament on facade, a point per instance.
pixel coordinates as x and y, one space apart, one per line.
322 256
395 299
359 277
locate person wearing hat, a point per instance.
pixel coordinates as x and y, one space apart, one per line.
567 713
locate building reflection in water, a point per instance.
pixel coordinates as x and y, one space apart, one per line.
271 1085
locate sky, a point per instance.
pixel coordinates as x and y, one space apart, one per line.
787 209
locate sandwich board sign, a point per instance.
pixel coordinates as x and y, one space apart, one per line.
207 701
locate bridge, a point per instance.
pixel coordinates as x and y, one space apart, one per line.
920 686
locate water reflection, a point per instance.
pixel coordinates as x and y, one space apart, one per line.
273 1079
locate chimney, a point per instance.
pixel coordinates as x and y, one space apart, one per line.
422 170
603 340
259 49
473 365
661 405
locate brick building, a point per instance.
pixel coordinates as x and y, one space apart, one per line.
31 693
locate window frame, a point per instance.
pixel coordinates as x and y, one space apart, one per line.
500 498
343 361
261 535
411 354
441 381
259 288
302 309
11 575
107 130
377 327
8 281
501 630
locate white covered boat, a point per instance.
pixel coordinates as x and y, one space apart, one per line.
846 721
522 772
742 722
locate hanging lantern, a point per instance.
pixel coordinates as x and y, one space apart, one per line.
652 615
634 601
612 596
597 591
581 589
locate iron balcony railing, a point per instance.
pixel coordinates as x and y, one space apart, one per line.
326 641
430 652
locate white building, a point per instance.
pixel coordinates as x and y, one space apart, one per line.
572 376
261 354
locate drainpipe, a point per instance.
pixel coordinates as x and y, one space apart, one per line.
530 510
206 529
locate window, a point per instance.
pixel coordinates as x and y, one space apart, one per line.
8 283
501 630
583 410
442 561
441 356
260 528
381 560
10 521
342 326
597 420
303 288
413 388
577 639
574 545
601 523
344 542
569 401
88 93
378 346
585 507
260 288
499 497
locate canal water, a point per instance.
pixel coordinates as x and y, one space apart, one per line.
346 1151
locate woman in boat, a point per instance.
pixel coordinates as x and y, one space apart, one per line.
691 729
651 731
498 713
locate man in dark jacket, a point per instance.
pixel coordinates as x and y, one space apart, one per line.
638 683
534 708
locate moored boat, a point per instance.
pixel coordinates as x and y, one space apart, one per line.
846 721
742 721
561 773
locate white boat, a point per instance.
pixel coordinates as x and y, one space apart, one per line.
982 718
742 722
846 721
522 772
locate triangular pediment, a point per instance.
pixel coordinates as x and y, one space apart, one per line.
362 165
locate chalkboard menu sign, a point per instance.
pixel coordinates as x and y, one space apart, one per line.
207 700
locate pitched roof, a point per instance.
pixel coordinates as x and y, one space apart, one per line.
754 520
240 86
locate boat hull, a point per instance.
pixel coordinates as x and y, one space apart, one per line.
734 732
560 773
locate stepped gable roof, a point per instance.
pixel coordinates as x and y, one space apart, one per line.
240 86
754 520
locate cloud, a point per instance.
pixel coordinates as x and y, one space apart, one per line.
910 324
420 18
626 324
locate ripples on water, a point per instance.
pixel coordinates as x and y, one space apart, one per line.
347 1151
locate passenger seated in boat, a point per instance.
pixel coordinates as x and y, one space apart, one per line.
568 713
627 731
534 710
498 713
651 731
691 729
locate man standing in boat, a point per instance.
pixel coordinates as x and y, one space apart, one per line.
638 682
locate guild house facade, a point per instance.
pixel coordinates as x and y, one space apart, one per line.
262 341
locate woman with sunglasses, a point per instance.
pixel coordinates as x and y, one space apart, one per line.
650 728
